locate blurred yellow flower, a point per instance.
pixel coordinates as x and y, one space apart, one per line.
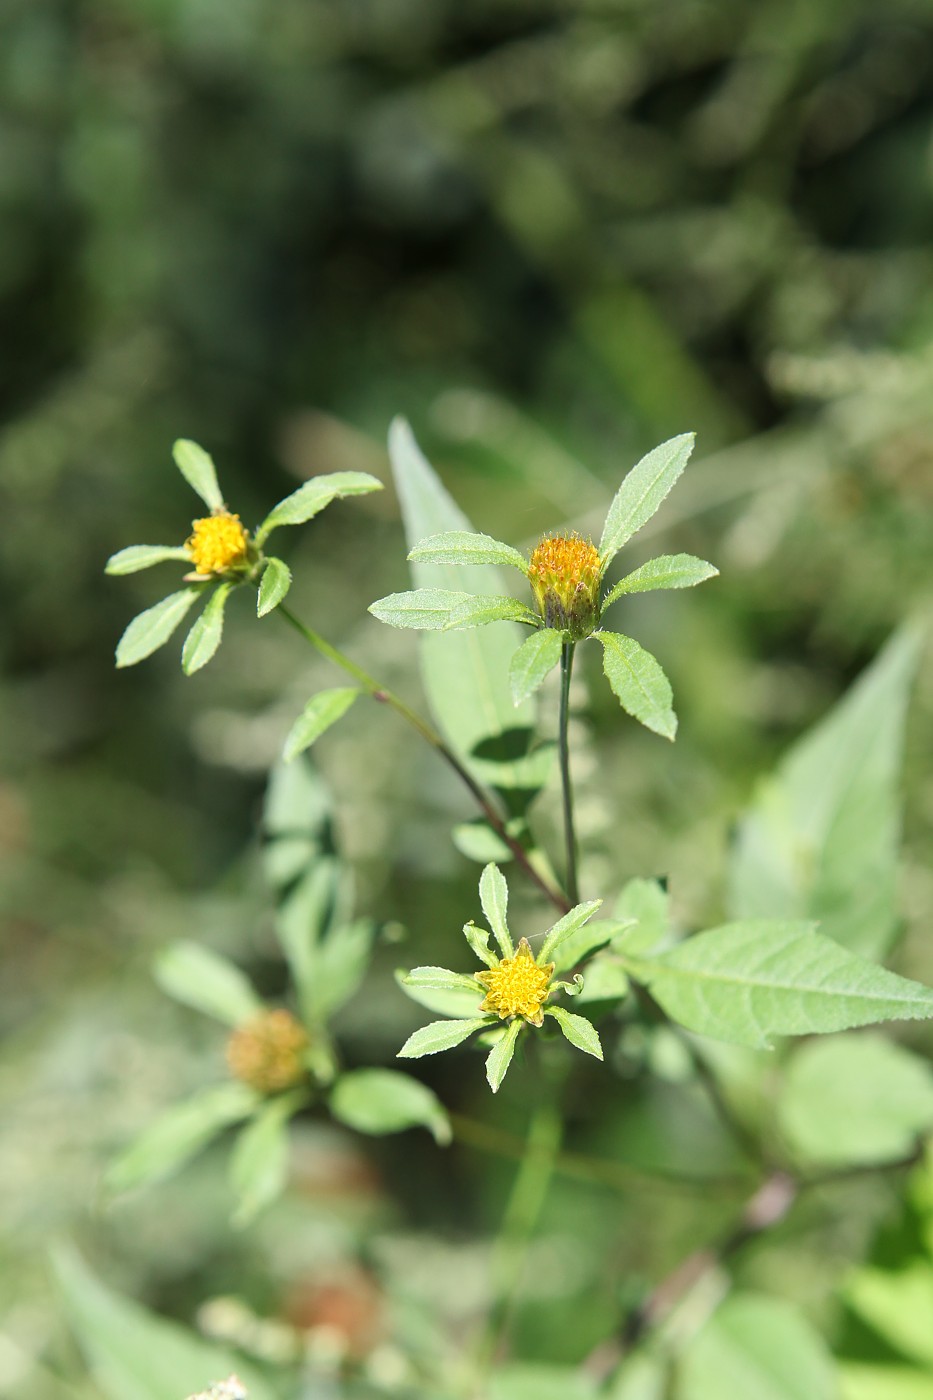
217 542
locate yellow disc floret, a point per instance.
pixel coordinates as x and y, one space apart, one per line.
268 1052
217 543
517 986
564 575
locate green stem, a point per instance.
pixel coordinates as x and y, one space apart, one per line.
430 735
566 668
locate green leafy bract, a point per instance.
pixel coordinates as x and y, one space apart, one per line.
198 469
642 492
441 1035
640 685
667 571
310 499
494 897
500 1056
273 586
535 658
205 636
151 629
578 1030
465 547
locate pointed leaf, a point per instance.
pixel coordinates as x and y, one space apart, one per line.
500 1056
340 964
578 1030
750 981
151 629
321 711
273 586
441 1035
311 498
667 571
425 609
478 611
197 467
443 980
478 939
535 658
643 908
639 683
642 492
574 918
259 1162
143 556
465 547
205 636
454 1003
183 1130
384 1101
494 897
198 977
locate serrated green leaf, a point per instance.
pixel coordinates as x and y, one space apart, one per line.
466 547
479 611
443 980
749 981
500 1056
821 839
441 1035
535 658
574 918
478 939
135 1355
578 1030
667 571
642 492
465 672
197 467
308 500
638 682
207 981
205 636
384 1101
273 586
759 1348
259 1161
424 609
456 1004
143 556
151 629
321 711
854 1100
494 897
174 1137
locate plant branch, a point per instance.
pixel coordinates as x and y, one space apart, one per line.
387 697
570 840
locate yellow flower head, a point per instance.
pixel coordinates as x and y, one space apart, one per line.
564 574
517 986
217 543
267 1052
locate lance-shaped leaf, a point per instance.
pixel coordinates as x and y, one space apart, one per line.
151 629
311 498
478 939
465 547
667 571
578 1030
259 1162
500 1056
456 1003
494 897
143 556
443 980
480 610
209 982
197 467
537 655
205 636
441 1035
642 492
640 685
574 918
424 609
750 981
273 586
180 1132
321 711
384 1101
340 963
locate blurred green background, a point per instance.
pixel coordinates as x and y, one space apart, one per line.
551 235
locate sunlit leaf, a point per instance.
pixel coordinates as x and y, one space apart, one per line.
441 1035
667 571
500 1056
273 586
640 685
465 547
642 492
143 556
205 636
535 658
308 500
197 467
151 629
578 1030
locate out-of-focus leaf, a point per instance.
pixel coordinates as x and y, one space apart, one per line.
863 1381
855 1099
604 979
535 658
645 902
135 1355
477 841
465 673
151 629
667 571
538 1381
639 683
273 586
821 839
465 547
259 1161
641 1377
178 1134
385 1101
308 500
898 1304
578 1030
205 636
340 963
749 981
642 492
441 1035
500 1056
321 711
143 556
198 469
759 1348
206 980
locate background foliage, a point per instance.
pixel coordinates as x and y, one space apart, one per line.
552 235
